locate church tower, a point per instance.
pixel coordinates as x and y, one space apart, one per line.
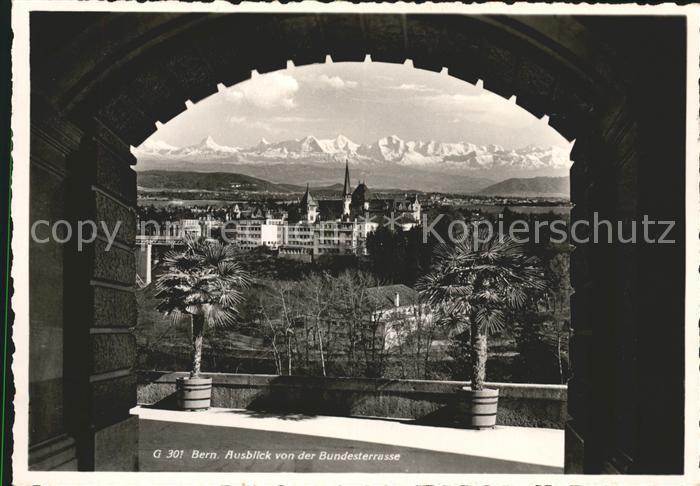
308 207
235 213
416 208
347 195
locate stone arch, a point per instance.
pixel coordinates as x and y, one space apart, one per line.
157 68
103 81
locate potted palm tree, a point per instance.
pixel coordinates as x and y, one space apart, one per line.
205 282
478 282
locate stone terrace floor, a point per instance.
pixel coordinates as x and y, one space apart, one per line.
200 441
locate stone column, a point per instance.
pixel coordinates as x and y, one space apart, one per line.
579 385
101 346
594 411
625 394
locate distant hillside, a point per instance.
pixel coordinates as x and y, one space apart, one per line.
231 181
210 181
530 187
319 176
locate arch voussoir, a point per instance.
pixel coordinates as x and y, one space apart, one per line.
154 88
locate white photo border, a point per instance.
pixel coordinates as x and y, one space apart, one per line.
20 244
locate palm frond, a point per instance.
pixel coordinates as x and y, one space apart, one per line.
486 278
204 278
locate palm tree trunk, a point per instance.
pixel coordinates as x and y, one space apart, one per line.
479 350
197 340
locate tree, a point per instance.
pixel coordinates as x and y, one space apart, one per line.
541 342
413 333
279 312
204 281
481 278
269 325
316 290
386 253
545 328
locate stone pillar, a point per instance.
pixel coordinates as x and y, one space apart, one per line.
102 348
580 386
594 407
625 395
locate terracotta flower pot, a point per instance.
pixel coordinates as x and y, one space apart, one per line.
477 409
194 393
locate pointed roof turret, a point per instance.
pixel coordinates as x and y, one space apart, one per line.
346 185
307 200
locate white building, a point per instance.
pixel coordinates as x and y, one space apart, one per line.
190 228
251 233
298 241
398 310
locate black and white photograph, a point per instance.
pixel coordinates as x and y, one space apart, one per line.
338 243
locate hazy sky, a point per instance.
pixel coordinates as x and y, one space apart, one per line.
364 102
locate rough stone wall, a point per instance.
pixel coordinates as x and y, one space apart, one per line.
105 184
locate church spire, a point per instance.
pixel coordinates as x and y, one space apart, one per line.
307 199
347 196
346 186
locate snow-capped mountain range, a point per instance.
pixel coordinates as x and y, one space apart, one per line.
429 155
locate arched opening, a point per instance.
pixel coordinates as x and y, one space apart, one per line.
421 152
93 100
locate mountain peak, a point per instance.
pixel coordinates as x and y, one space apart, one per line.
157 145
208 141
453 157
